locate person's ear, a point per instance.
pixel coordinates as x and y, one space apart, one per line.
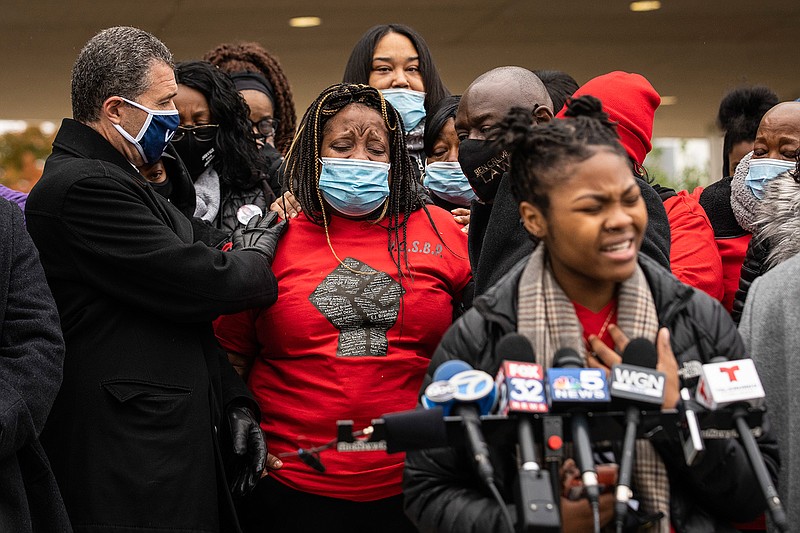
533 220
111 107
542 114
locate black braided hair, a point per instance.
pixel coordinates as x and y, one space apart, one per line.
237 157
740 113
540 153
303 164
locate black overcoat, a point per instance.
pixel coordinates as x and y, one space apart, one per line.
134 434
31 357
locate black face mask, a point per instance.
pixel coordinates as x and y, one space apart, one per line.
196 155
272 157
484 165
164 188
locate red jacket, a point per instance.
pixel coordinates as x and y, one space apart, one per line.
730 238
693 256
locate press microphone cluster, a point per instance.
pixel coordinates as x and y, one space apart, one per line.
523 394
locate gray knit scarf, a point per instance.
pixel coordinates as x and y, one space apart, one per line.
206 189
546 317
743 203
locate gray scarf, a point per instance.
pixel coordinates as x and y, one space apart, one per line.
546 317
743 203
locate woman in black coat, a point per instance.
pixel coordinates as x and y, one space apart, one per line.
586 287
31 359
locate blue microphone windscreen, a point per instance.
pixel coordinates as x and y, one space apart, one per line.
450 368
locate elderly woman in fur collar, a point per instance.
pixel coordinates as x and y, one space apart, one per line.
770 210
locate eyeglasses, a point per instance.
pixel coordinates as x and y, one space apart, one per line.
205 132
266 127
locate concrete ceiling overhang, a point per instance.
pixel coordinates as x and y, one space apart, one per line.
694 50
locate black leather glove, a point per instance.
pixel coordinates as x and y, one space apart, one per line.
249 448
261 234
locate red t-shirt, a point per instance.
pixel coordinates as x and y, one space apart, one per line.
593 322
339 345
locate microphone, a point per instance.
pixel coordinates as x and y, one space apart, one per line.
693 446
416 429
440 392
641 386
521 384
736 384
473 394
574 388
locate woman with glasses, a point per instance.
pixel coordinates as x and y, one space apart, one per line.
215 140
260 80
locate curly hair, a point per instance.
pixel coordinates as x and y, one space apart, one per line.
303 164
359 65
540 154
237 158
252 57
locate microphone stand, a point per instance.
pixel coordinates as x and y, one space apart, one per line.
774 505
537 511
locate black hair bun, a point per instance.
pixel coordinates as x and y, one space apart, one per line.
745 104
586 106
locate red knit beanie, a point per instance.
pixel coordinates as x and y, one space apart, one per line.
631 102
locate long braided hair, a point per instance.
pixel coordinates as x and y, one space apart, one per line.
541 153
252 57
303 165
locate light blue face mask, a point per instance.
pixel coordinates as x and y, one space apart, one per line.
762 171
410 104
354 187
447 181
155 134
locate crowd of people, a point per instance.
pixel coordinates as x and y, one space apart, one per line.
201 287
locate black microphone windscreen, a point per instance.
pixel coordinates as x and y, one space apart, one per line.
515 346
640 352
567 358
418 429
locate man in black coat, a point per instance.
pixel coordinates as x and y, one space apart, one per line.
497 240
31 358
150 411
